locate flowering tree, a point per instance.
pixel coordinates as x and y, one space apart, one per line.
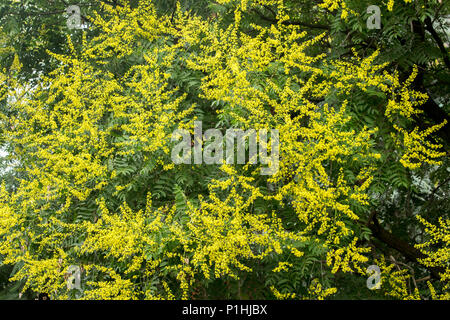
98 188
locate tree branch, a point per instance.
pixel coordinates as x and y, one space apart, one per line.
289 23
430 107
439 42
408 251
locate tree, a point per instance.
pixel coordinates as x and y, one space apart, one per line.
98 188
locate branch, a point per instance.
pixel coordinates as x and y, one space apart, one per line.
295 23
430 107
439 42
408 251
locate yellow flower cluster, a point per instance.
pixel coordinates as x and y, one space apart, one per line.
440 257
333 5
317 292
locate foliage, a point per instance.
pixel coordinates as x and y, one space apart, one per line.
93 184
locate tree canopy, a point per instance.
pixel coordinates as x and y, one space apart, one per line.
87 117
